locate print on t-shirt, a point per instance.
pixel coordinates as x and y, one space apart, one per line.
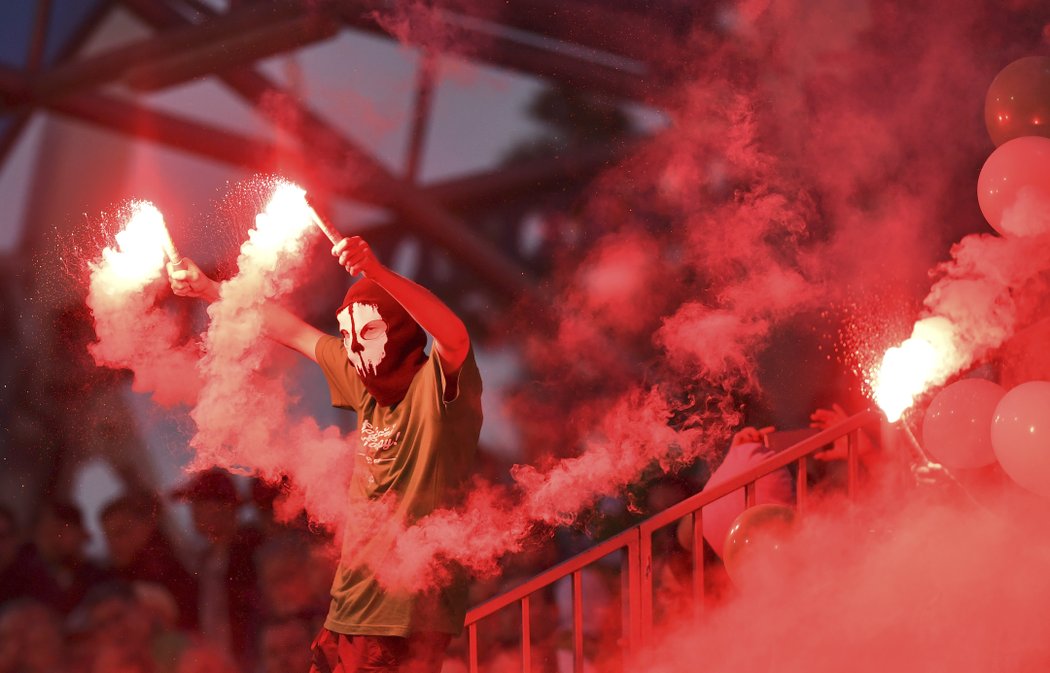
377 439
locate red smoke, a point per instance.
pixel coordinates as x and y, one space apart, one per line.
809 162
242 416
983 287
136 333
814 151
133 329
907 581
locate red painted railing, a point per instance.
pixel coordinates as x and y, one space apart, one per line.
635 544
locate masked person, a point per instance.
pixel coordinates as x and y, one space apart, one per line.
418 419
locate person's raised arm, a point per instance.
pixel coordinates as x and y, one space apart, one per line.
450 335
187 280
825 418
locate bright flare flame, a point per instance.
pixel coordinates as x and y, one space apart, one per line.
283 222
903 375
925 359
138 256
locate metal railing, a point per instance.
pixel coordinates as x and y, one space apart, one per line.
636 545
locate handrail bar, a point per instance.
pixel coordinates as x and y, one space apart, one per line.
774 462
567 567
691 504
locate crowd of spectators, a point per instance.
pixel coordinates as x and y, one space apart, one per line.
255 592
249 599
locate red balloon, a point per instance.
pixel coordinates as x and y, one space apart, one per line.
1013 188
1018 100
1021 435
957 427
758 532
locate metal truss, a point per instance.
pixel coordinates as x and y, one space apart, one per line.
593 47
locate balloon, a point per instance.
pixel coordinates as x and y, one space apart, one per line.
758 532
1018 101
1021 435
957 428
774 488
1013 188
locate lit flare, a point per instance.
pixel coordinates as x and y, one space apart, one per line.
924 360
287 214
137 257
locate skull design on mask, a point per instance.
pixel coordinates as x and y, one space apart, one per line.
382 341
364 337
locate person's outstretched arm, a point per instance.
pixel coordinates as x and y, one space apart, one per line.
827 417
450 335
187 280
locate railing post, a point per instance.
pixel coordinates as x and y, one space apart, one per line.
645 553
634 590
699 592
472 647
801 484
526 637
636 573
577 622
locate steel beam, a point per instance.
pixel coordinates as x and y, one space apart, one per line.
241 49
482 189
21 118
640 36
479 189
343 167
183 50
421 106
39 41
519 56
167 129
256 18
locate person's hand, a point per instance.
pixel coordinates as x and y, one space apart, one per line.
356 256
751 435
822 419
187 280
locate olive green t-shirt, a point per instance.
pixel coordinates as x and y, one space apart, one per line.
419 451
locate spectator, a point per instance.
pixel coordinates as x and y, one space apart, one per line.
284 645
419 417
830 464
206 658
30 638
228 601
161 611
264 495
115 631
293 579
22 572
747 449
56 558
139 551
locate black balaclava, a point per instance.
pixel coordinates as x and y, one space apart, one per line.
382 341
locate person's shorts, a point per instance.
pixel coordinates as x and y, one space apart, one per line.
422 652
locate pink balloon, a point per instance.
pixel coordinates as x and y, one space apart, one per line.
957 428
775 488
1021 435
1013 188
1018 101
757 532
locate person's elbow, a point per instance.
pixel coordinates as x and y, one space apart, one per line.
453 348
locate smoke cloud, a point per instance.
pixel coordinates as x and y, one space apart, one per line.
907 581
810 147
242 416
133 329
